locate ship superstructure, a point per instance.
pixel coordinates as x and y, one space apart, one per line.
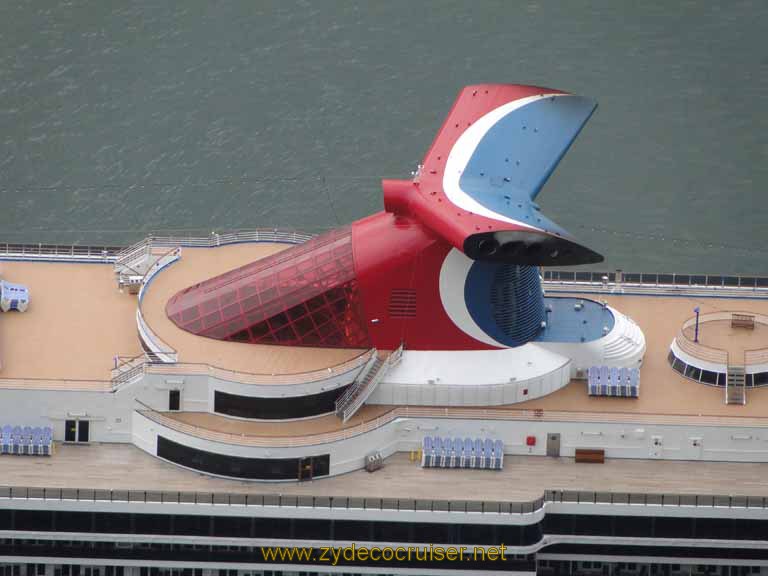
433 334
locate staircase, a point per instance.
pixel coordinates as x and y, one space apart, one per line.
134 260
735 392
128 371
365 383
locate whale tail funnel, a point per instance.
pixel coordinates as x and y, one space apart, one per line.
478 182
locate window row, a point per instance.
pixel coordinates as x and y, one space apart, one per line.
712 378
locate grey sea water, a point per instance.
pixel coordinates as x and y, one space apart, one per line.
118 118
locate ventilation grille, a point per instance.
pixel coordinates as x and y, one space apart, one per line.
518 304
402 303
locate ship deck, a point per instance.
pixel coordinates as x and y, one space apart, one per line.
77 322
198 264
662 390
125 467
665 395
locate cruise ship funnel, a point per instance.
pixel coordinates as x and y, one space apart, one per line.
477 183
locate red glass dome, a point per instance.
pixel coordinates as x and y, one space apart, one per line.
306 295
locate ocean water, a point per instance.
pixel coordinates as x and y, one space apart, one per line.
119 119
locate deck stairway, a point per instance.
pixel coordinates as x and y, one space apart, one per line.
134 260
128 371
365 383
735 391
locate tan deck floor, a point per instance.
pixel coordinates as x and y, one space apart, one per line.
77 322
662 390
198 264
719 334
306 426
125 467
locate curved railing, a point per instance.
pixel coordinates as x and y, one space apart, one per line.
156 345
698 350
716 355
756 357
446 412
131 369
186 368
160 349
706 353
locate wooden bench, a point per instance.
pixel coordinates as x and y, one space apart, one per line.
743 321
590 455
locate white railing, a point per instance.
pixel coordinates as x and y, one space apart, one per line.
756 357
160 349
122 255
156 345
344 433
192 369
216 239
751 357
696 350
365 389
757 283
349 392
128 370
104 254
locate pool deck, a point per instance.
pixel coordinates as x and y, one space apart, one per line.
125 467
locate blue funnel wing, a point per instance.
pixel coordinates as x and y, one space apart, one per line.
519 151
490 159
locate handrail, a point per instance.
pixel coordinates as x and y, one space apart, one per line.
344 398
55 384
655 499
128 371
549 497
141 365
116 254
158 347
41 251
445 412
127 363
362 394
270 500
216 239
751 357
756 357
715 355
188 368
659 279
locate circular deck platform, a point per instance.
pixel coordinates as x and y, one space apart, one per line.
725 340
735 341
